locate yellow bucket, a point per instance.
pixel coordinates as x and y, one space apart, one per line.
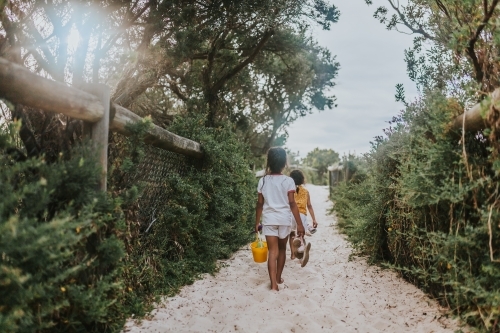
259 254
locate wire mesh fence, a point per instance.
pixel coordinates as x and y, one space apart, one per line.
150 174
339 173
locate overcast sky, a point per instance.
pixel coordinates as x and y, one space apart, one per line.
372 63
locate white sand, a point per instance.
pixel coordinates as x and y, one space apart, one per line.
330 294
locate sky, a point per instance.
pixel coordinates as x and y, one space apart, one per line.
371 64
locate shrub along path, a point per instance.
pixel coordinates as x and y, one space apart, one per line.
330 294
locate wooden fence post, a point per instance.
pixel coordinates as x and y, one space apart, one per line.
330 183
100 129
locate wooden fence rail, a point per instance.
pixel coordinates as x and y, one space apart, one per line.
474 120
19 85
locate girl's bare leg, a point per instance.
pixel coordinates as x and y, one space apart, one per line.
292 236
272 260
281 258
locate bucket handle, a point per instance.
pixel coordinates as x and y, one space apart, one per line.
259 240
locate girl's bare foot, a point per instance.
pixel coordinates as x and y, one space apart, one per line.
275 288
280 281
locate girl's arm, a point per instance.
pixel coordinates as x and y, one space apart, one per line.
295 211
258 211
311 210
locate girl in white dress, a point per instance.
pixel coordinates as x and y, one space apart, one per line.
276 205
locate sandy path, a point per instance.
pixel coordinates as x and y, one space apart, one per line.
337 295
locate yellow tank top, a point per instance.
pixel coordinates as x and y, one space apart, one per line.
301 199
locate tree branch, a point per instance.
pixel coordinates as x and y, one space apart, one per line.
443 8
96 65
176 90
14 52
470 50
220 83
112 40
211 94
50 61
420 30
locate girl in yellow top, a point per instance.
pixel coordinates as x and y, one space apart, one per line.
303 201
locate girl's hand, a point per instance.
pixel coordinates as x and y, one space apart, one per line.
301 231
258 227
315 224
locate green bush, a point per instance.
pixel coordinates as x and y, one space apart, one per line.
208 216
60 263
77 260
429 208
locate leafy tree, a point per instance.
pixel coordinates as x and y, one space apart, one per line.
321 159
291 86
214 51
296 86
175 57
293 157
462 37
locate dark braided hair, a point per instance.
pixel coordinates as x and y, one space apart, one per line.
298 178
276 160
